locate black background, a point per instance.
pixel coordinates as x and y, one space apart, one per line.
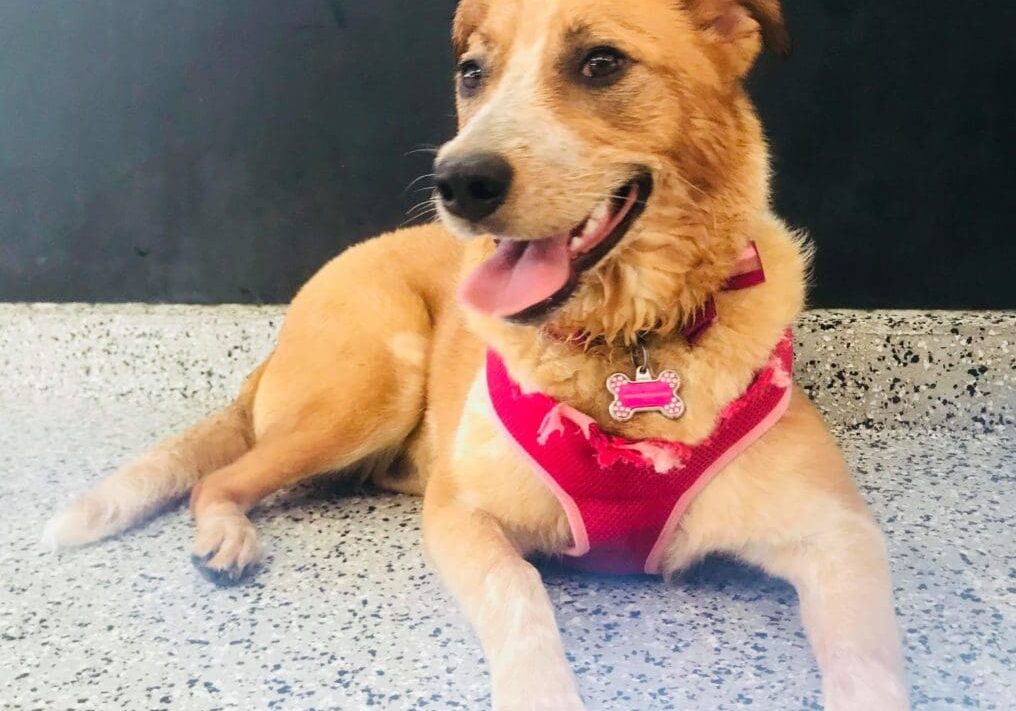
221 151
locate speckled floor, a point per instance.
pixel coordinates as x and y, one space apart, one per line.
347 615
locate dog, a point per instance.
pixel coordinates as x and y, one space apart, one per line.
604 215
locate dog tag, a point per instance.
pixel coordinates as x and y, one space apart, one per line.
645 394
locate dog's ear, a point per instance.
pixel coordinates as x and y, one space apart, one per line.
468 16
740 28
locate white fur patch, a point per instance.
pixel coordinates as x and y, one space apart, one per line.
467 436
527 662
118 502
409 348
86 520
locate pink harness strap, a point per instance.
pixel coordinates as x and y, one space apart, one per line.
625 498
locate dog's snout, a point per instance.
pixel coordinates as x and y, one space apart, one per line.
474 186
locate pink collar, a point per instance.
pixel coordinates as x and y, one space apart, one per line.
748 272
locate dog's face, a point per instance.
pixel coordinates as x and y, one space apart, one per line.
598 139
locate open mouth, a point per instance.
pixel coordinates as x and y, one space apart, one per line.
524 280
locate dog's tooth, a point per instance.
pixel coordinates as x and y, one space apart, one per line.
594 222
596 219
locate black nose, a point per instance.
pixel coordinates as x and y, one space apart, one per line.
474 186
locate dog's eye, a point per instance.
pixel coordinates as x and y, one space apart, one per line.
470 77
603 65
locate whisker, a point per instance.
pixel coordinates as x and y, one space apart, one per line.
420 219
596 196
431 150
426 204
425 176
423 204
690 184
421 215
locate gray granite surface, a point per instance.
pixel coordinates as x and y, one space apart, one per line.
347 615
951 369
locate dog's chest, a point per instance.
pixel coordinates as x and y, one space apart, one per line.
540 465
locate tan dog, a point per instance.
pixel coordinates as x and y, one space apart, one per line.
568 109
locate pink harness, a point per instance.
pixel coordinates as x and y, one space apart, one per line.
624 498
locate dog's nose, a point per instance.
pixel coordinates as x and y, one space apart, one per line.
474 186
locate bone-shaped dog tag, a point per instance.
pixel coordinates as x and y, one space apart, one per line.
645 394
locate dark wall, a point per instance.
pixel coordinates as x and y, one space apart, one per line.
221 151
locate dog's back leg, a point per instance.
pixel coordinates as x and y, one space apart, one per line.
346 383
159 477
227 545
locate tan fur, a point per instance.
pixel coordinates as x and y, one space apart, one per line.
377 364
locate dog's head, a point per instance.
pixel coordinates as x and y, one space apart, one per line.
608 149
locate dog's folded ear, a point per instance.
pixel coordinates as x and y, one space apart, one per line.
740 28
468 15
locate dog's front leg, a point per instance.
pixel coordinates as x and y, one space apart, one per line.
841 575
504 599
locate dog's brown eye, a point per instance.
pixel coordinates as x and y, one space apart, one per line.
603 65
470 77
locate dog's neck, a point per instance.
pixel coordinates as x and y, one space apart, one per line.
748 272
715 370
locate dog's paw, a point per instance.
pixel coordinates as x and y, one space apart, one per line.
86 520
226 550
859 683
537 687
527 699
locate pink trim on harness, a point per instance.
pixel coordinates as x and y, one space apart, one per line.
623 498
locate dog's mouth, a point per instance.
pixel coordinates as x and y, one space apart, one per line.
525 280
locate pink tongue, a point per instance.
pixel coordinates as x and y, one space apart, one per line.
517 276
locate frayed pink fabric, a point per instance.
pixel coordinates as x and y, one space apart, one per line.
624 498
